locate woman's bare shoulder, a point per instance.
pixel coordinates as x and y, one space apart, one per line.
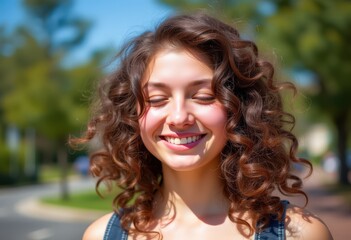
302 224
96 230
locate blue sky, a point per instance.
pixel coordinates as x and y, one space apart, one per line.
114 20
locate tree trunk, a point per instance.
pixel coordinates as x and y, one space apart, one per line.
341 126
62 159
30 164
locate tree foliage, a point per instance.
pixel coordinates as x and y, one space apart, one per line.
309 35
37 91
40 92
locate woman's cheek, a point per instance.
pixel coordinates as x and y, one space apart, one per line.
213 115
151 119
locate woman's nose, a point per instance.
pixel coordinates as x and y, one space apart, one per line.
179 115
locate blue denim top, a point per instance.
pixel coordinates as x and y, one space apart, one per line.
275 230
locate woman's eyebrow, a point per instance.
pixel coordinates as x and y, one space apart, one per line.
155 85
205 81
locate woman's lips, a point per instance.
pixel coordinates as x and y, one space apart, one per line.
182 142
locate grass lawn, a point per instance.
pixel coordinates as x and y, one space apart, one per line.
52 173
89 200
84 200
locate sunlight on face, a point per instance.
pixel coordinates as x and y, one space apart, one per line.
184 124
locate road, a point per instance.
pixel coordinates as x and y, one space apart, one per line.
19 221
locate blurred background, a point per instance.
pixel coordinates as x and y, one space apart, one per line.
52 52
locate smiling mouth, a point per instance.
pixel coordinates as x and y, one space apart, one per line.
184 140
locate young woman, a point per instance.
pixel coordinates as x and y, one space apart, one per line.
194 135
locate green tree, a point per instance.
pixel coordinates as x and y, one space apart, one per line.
41 93
310 35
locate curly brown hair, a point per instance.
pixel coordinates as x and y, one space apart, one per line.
260 150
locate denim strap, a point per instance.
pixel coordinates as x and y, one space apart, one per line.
114 231
275 229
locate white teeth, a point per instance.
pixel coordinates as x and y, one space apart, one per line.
179 141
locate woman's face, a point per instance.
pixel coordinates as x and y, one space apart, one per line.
183 124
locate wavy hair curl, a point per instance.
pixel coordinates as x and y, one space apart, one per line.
260 150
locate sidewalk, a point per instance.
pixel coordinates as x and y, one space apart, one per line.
31 206
332 209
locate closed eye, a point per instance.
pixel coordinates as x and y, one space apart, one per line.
156 101
204 98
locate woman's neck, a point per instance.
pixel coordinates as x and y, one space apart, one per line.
198 193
